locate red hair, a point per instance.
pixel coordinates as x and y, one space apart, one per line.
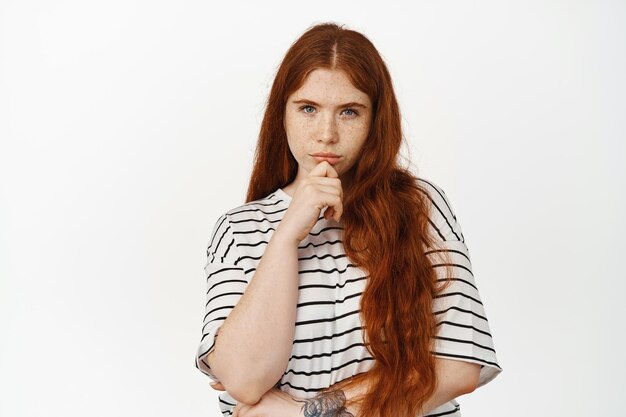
385 221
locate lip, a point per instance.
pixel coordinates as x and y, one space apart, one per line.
329 157
329 154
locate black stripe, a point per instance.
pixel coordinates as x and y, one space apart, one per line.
310 303
232 213
436 229
265 202
329 242
306 271
269 204
252 244
257 220
220 241
329 354
322 257
229 268
449 250
228 249
460 309
328 371
213 311
248 232
300 388
222 295
331 285
224 282
226 402
458 279
215 319
471 342
256 258
465 326
327 320
450 294
223 217
325 229
445 413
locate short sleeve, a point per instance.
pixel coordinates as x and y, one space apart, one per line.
462 327
225 283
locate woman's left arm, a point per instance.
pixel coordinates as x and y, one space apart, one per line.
455 378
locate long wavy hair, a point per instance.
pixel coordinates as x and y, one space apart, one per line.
385 222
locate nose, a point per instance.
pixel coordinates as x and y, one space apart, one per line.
327 129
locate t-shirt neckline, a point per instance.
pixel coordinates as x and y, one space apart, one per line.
283 195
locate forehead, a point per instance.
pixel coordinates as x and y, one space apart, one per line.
329 86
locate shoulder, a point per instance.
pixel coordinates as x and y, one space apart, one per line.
441 215
238 225
253 215
261 208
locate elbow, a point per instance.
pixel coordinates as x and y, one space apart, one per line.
469 381
245 383
239 386
244 389
244 395
466 387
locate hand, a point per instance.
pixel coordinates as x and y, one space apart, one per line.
321 188
324 403
274 403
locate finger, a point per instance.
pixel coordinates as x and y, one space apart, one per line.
337 215
335 204
338 210
333 182
324 169
328 189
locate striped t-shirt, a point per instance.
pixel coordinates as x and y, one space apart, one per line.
328 344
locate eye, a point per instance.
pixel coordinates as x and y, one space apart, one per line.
307 108
351 112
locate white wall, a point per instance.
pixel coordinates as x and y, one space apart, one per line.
128 126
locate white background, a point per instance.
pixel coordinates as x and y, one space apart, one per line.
127 127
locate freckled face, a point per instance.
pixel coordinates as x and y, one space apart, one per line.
327 114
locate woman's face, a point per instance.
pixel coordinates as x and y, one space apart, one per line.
327 115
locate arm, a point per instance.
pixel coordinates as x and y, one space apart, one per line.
265 314
455 378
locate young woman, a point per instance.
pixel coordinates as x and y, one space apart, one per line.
343 286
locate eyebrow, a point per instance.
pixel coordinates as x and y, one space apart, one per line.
312 103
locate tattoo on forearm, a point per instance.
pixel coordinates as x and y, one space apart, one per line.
326 405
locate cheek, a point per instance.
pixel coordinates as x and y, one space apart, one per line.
356 134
